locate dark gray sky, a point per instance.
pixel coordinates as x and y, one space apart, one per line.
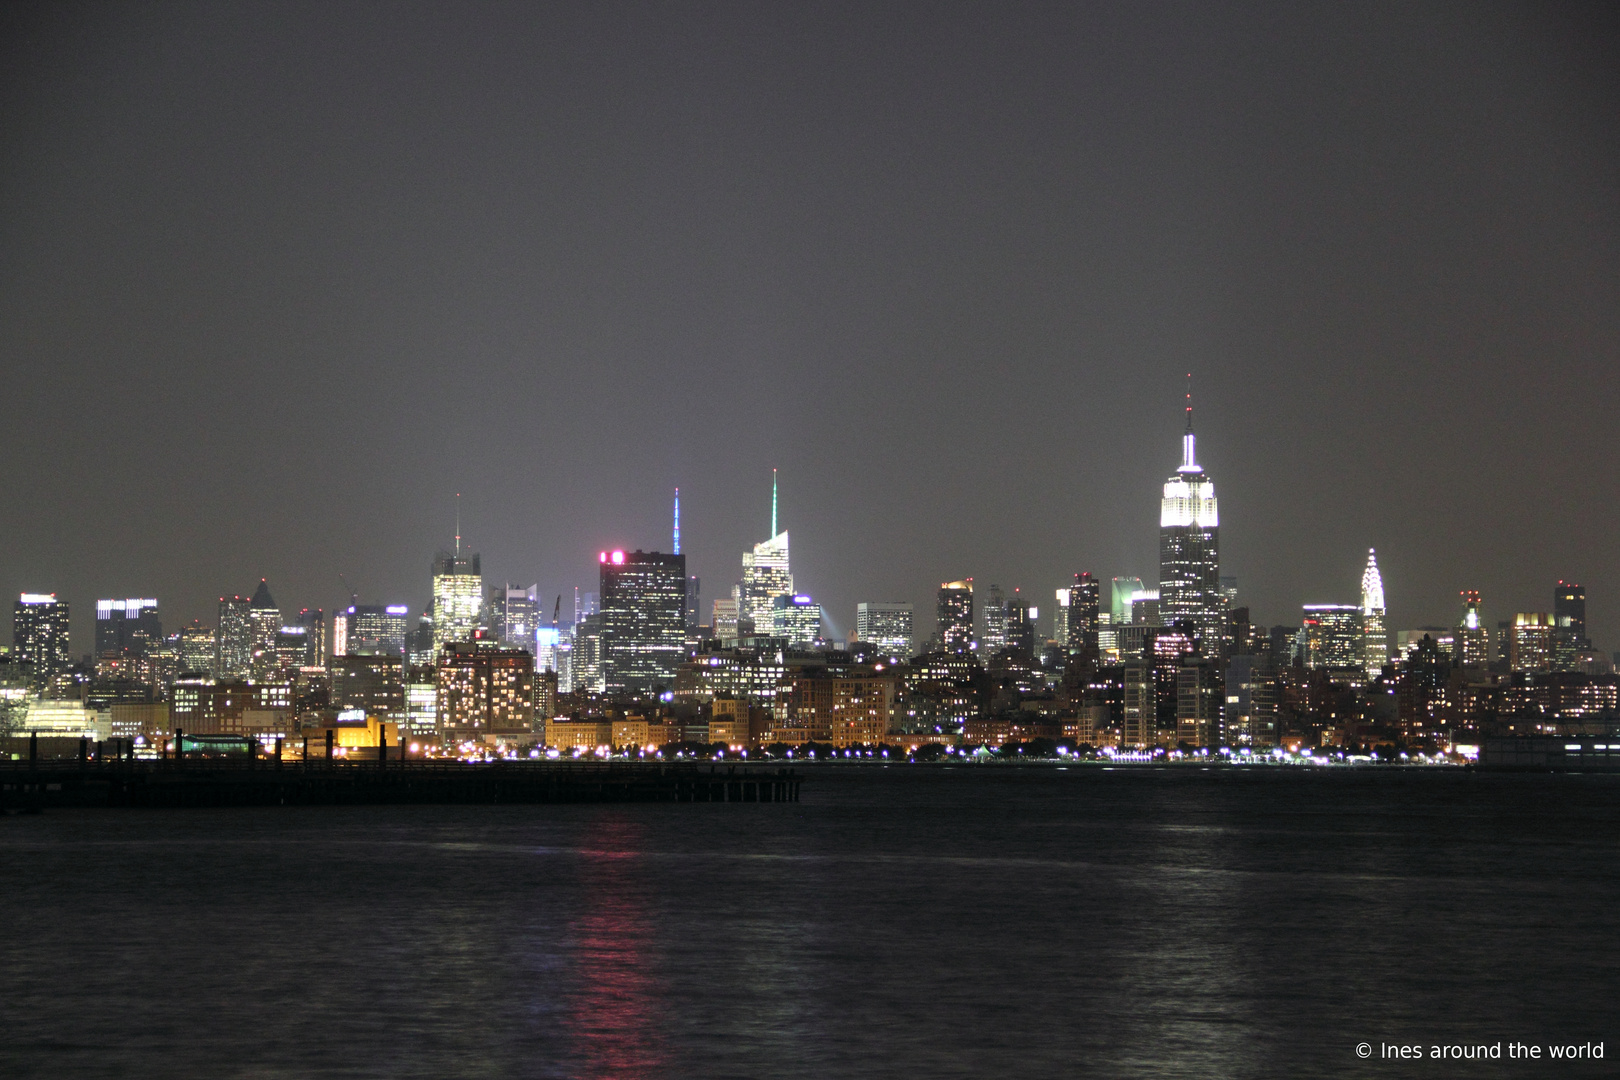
277 280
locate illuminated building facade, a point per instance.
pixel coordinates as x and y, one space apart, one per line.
233 642
796 619
196 647
1060 617
1198 702
1084 618
1333 637
766 575
994 638
1374 635
39 637
484 690
888 626
1530 646
643 609
1473 638
1189 549
370 630
264 623
514 615
1569 630
127 627
954 613
313 620
458 594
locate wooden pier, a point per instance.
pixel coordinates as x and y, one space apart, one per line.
120 781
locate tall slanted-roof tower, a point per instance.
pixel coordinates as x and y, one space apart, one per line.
1375 637
1189 547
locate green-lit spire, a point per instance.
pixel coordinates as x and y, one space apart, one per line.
773 502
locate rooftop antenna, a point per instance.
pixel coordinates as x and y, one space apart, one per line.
773 502
677 521
458 520
1189 462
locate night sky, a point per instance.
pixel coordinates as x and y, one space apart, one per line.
277 281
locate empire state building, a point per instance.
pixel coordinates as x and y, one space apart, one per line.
1189 549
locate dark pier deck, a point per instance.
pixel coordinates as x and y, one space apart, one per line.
42 784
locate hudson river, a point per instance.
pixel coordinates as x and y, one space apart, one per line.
907 921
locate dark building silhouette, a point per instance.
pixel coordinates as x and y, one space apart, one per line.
643 607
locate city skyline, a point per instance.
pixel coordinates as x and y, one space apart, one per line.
565 319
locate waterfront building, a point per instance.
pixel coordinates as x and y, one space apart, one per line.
1333 636
1198 701
233 641
1374 635
39 637
954 613
796 619
484 690
886 625
1189 548
643 598
370 681
458 595
1141 706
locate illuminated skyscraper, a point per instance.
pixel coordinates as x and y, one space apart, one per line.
39 637
954 613
458 593
1189 548
1333 637
197 653
1530 646
233 642
264 623
994 638
1085 598
643 597
1569 618
313 620
514 615
127 627
370 630
1374 636
1473 636
766 574
888 626
1124 589
797 619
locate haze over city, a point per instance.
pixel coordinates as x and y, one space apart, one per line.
276 282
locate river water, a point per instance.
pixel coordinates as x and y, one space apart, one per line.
997 921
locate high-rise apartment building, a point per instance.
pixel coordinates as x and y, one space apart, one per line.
643 598
1374 634
233 641
1189 548
39 637
954 614
886 625
264 623
484 690
1333 636
1060 617
1018 624
458 595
